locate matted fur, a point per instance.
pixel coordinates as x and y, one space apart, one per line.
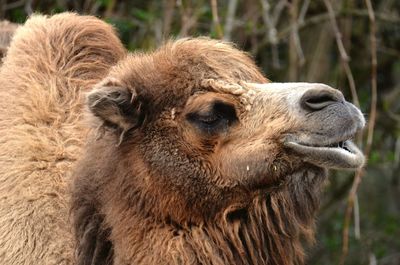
152 195
149 188
49 65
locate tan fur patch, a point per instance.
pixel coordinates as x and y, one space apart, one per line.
49 65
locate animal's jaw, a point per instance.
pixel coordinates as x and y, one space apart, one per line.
343 155
338 153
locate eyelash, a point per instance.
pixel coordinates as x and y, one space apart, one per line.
209 119
221 117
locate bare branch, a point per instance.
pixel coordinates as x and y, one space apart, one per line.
230 19
28 7
357 233
352 83
2 9
279 7
397 152
110 8
95 8
217 24
303 11
272 32
169 6
297 44
342 51
372 259
370 132
320 18
188 20
374 89
7 30
87 6
338 35
14 5
296 56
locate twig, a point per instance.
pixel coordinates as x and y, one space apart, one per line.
352 83
86 6
28 7
338 35
279 7
295 32
217 24
158 30
14 5
110 8
397 152
320 18
294 42
372 259
391 257
346 224
303 11
95 8
272 32
384 17
230 19
370 132
297 44
76 5
374 64
342 51
357 233
187 20
169 6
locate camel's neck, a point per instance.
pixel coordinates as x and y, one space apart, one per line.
268 232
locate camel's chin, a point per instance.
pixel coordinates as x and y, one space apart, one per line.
341 155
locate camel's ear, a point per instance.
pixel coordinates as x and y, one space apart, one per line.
117 106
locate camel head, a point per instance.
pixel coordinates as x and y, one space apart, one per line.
199 128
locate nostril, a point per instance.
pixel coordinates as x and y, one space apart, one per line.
317 100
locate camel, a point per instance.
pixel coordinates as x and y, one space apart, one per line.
184 155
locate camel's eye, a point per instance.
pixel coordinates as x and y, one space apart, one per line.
216 117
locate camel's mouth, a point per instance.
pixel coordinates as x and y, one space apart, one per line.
340 154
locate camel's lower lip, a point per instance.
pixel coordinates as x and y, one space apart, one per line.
343 154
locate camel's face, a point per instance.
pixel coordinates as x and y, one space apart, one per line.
321 122
202 132
255 133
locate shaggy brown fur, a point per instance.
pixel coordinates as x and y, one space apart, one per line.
7 30
153 189
187 163
48 66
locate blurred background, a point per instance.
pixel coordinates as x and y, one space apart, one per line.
353 45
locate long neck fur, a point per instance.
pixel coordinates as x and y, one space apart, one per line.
270 231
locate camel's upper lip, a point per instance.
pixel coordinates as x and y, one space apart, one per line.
335 153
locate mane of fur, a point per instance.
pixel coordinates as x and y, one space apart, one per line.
270 230
51 62
270 233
